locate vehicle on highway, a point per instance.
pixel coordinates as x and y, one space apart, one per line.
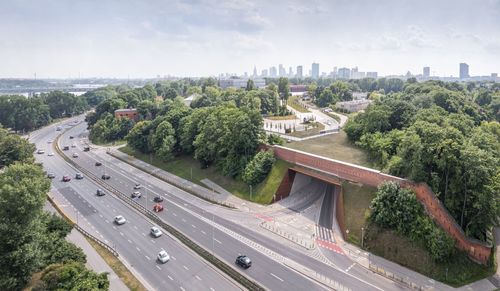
136 194
137 186
66 178
65 148
49 141
163 256
97 164
155 231
99 192
120 220
329 122
71 137
243 261
86 148
105 177
58 128
158 199
73 145
51 154
40 152
78 176
75 155
51 175
157 207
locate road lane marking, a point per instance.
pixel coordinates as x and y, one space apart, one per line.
121 233
186 268
148 258
212 289
276 277
153 241
350 267
143 234
217 240
183 220
114 227
135 227
193 225
129 241
138 249
197 277
158 267
171 279
174 214
203 232
182 288
173 258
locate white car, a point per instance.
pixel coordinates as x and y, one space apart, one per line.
163 256
120 220
50 154
40 152
155 231
75 155
49 141
136 194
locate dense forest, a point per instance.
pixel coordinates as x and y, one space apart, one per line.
444 134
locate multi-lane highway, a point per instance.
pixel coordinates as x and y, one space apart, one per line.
203 222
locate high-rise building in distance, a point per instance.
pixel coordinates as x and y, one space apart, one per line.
315 70
427 72
299 72
344 73
282 71
373 75
290 72
254 71
464 71
263 73
273 72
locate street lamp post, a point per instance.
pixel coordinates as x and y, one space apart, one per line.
250 192
362 236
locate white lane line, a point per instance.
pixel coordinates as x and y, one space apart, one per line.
148 258
129 241
203 232
276 277
350 267
193 225
121 233
143 234
186 268
153 241
183 220
107 221
171 279
135 227
173 258
212 289
197 277
174 214
138 249
158 267
182 288
114 227
217 240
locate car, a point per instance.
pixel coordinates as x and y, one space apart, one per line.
120 220
78 176
157 207
99 192
137 186
50 154
73 145
71 137
163 256
65 148
51 175
58 128
105 177
329 122
49 141
155 231
86 148
136 194
75 155
40 152
97 164
244 261
66 178
158 199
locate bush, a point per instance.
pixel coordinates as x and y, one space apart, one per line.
258 168
273 139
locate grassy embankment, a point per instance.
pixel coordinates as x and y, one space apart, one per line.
295 104
188 168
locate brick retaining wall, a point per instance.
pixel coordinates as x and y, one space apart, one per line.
477 250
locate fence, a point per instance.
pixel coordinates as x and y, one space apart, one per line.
394 277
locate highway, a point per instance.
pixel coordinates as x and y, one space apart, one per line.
207 225
185 270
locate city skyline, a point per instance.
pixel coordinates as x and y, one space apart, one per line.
63 39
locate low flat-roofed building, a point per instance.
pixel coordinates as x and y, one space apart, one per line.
130 113
354 105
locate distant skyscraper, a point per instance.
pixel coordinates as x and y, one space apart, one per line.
264 73
290 72
427 72
273 72
315 70
373 75
464 71
282 71
299 72
254 71
344 73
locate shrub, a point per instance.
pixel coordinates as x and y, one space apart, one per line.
258 168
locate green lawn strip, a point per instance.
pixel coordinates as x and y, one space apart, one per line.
357 199
111 143
334 146
183 166
313 129
457 271
294 103
285 117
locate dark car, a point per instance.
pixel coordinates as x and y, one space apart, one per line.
66 178
51 175
98 164
66 148
105 176
158 199
244 262
78 176
86 148
99 192
71 137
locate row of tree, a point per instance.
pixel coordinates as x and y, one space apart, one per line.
32 240
437 133
24 114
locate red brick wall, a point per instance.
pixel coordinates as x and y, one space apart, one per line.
339 209
285 186
477 250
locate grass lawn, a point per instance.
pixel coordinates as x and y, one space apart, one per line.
111 143
313 129
334 146
294 103
285 117
357 199
184 166
458 271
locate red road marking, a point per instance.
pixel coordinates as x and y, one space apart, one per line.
329 245
264 217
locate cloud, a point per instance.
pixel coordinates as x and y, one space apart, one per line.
251 43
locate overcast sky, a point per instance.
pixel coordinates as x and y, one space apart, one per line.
145 38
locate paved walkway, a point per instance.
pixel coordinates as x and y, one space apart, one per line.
94 260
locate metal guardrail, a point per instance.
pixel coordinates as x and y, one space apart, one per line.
394 277
227 269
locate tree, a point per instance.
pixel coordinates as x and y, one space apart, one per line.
13 148
250 85
71 276
283 89
139 136
258 168
164 140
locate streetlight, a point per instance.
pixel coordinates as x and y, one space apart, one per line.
250 192
362 236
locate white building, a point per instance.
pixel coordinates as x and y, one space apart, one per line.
353 106
241 83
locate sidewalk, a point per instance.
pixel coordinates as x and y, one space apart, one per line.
94 260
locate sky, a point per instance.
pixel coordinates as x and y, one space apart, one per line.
146 38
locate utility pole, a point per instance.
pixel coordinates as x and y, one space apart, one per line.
362 236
